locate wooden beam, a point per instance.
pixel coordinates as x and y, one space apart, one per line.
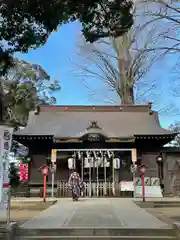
69 140
115 140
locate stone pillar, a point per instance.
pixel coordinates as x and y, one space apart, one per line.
5 146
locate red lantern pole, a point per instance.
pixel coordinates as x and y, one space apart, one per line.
44 189
44 173
143 169
143 187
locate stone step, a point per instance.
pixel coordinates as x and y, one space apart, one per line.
158 204
97 237
166 232
166 205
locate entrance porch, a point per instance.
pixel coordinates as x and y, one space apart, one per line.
101 170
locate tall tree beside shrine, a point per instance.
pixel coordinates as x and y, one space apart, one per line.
28 24
13 176
118 66
23 87
166 15
175 127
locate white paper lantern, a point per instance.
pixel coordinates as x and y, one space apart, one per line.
71 163
116 163
86 163
97 162
106 163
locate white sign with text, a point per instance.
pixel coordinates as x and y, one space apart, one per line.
5 146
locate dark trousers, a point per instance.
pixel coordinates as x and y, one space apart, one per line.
74 196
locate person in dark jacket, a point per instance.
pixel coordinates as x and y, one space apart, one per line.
75 185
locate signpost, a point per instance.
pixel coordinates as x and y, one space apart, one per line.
5 146
53 170
1 170
143 169
133 170
45 171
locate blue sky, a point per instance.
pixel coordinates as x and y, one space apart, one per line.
56 58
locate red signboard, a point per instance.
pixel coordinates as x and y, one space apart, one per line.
24 172
5 185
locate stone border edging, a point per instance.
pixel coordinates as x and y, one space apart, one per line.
176 227
13 231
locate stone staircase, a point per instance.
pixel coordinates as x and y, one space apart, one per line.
97 233
159 204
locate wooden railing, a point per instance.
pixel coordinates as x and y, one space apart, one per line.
94 189
61 189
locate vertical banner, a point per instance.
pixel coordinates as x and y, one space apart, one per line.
24 172
71 163
6 139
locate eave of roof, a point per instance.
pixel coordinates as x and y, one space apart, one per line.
115 121
68 139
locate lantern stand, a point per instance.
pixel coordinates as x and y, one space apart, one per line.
143 169
159 161
45 171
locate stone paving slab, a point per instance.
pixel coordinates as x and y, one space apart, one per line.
162 199
94 213
32 199
148 199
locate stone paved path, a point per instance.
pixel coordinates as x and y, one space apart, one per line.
95 212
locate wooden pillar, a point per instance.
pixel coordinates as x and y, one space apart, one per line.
53 155
134 155
134 159
53 170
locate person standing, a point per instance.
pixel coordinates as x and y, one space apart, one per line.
75 185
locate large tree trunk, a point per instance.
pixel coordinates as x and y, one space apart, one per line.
124 63
127 97
127 92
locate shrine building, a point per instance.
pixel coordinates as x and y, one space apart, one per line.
102 142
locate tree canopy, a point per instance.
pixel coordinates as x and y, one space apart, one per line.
24 86
14 180
28 23
175 127
117 66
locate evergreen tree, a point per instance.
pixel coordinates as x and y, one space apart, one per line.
14 180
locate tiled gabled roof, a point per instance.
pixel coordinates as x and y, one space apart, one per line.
72 121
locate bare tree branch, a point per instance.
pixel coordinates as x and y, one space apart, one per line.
166 14
116 63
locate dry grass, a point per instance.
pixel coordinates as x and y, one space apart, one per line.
23 211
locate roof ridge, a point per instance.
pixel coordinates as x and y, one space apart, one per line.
94 108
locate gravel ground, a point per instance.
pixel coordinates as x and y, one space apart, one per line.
23 211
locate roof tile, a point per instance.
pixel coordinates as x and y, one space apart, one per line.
117 121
